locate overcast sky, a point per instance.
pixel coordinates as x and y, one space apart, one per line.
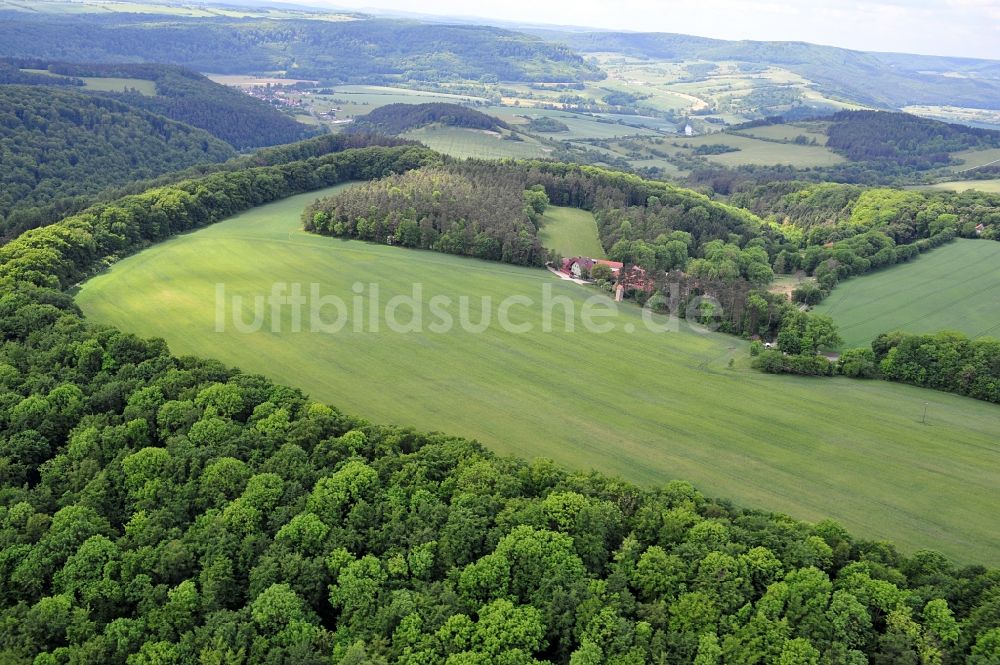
939 27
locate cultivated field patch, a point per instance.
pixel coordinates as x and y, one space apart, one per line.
954 287
571 232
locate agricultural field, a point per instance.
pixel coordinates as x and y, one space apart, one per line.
580 126
108 83
992 185
252 81
954 287
571 232
765 153
112 84
790 131
973 159
734 92
985 118
648 405
462 143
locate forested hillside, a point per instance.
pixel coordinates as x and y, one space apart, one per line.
57 143
398 118
158 509
368 51
186 96
865 78
901 139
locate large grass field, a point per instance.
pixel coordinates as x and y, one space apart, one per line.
580 126
973 159
649 406
571 232
764 153
992 186
954 287
789 131
463 143
107 83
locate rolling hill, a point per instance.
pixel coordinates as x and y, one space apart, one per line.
881 80
57 143
361 51
398 118
242 121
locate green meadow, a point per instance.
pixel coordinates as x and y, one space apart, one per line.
478 143
991 185
764 153
571 232
648 405
790 131
108 83
954 287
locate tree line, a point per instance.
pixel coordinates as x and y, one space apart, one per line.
60 254
484 209
833 231
447 209
22 218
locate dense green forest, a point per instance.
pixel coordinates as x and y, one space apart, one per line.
456 211
57 143
828 211
483 209
365 51
23 218
186 96
903 139
165 510
398 118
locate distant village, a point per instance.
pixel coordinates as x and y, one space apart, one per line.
275 95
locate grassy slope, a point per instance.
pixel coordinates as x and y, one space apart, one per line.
116 84
571 232
648 406
462 143
767 153
789 131
955 287
963 185
975 158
